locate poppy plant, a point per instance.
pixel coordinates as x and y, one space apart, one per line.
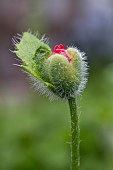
61 73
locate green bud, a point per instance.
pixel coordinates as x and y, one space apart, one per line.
59 73
65 76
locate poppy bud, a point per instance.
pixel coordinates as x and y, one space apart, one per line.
64 69
57 73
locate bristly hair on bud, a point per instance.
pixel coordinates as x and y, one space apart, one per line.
61 73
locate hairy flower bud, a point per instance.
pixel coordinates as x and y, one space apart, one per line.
65 70
61 72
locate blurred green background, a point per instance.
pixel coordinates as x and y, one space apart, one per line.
34 132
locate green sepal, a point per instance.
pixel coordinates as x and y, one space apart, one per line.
61 73
33 53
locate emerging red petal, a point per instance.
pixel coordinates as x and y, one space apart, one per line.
59 49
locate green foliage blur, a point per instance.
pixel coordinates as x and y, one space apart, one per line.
36 135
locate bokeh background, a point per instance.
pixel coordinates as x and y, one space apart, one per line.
35 133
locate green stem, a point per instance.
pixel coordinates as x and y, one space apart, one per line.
75 134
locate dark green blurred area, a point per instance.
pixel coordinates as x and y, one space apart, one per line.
36 135
34 132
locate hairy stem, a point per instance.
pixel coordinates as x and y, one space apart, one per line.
75 134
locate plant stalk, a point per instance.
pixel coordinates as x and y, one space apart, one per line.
75 132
